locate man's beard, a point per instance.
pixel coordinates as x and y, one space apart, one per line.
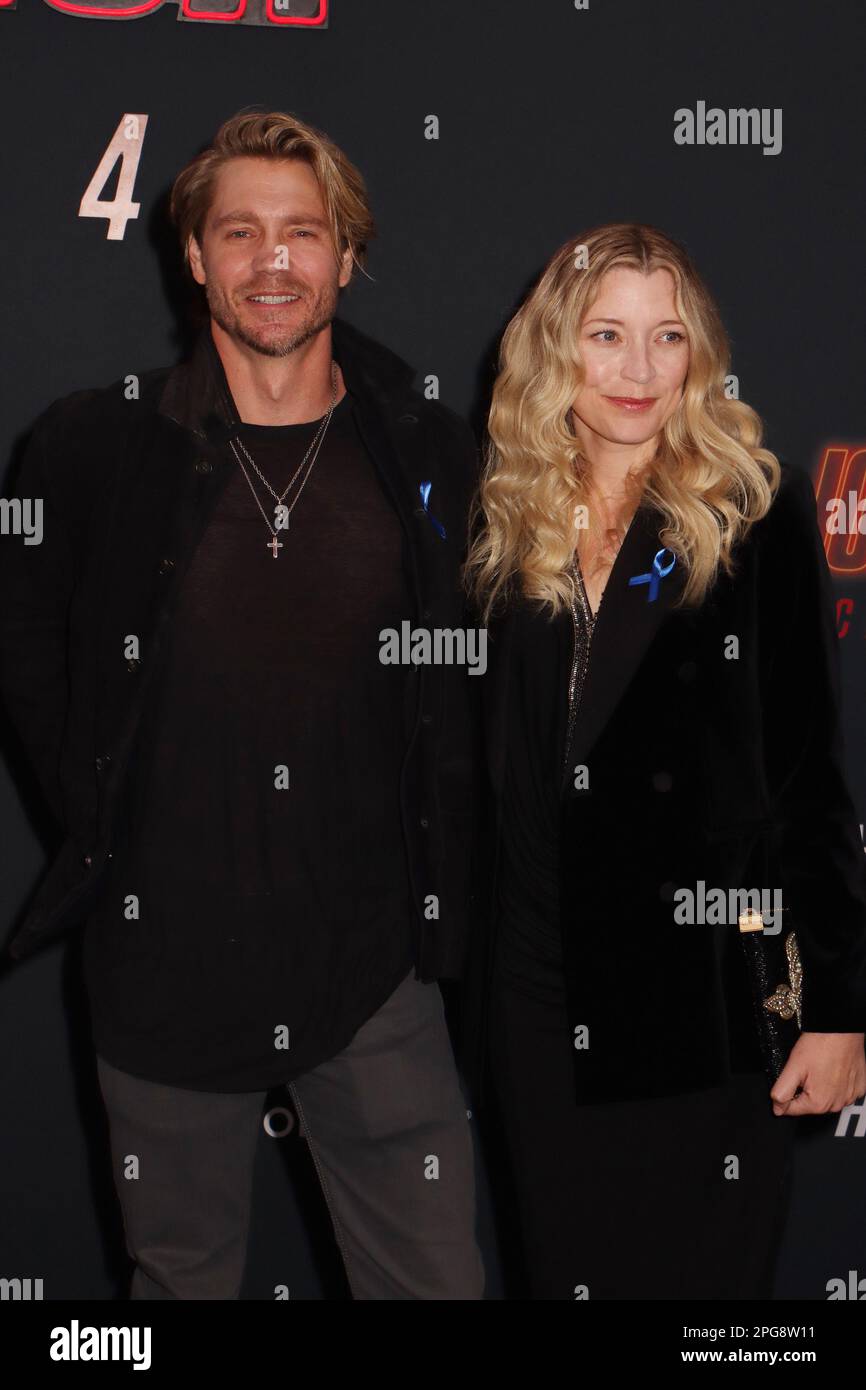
320 312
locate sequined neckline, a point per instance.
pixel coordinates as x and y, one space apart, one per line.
584 597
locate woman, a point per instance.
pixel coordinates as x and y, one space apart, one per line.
661 715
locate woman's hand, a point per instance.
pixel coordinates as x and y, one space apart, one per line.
830 1069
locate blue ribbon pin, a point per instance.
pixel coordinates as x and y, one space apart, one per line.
425 494
656 575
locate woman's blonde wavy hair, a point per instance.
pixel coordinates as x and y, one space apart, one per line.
709 477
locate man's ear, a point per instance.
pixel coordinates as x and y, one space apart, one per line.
346 267
196 264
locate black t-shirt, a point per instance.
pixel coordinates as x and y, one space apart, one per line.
261 830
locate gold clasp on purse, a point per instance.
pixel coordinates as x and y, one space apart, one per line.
750 920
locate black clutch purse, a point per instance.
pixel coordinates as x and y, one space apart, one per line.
776 976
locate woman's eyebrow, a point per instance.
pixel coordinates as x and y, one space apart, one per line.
620 323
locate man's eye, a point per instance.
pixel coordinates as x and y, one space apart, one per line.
302 231
240 231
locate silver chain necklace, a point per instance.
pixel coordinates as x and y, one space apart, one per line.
277 545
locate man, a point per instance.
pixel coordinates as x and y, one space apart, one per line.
268 828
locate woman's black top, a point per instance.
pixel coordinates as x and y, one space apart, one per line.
529 935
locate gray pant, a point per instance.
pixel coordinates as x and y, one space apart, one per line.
381 1119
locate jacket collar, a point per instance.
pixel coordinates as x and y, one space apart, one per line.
627 621
636 601
196 393
196 396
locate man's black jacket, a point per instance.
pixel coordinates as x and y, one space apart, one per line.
128 486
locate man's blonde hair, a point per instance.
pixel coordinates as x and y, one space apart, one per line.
276 135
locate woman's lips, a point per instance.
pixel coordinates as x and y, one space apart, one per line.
632 403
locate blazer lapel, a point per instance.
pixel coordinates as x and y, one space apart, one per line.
628 618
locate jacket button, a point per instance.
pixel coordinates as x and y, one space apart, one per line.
133 663
424 822
203 466
87 861
166 565
103 761
426 719
420 512
425 613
